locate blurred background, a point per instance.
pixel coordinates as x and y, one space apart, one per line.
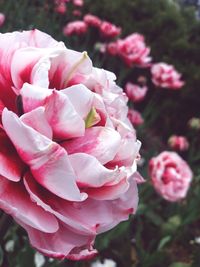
162 233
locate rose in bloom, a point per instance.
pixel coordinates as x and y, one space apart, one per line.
61 8
76 27
171 176
109 30
164 75
2 19
134 92
67 149
92 20
133 50
135 117
179 143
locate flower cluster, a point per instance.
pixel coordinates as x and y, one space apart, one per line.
68 150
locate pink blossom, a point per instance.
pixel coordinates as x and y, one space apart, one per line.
133 50
61 8
171 176
92 20
109 30
77 13
166 76
112 48
179 143
2 19
76 27
135 117
68 151
134 92
78 3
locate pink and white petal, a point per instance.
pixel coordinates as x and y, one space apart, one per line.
15 201
81 98
48 161
100 142
91 173
62 244
62 117
69 213
110 192
69 68
33 96
23 62
11 165
38 121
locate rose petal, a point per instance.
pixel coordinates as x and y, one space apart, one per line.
62 244
38 121
11 165
100 142
62 117
48 161
15 201
91 173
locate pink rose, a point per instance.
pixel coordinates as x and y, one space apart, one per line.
134 92
135 117
61 8
92 20
166 76
76 27
179 143
109 30
171 176
133 50
2 19
68 151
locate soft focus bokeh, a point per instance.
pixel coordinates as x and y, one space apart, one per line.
153 47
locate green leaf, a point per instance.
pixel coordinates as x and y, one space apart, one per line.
164 241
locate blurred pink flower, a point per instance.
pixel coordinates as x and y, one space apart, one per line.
112 48
77 13
179 143
78 3
61 8
92 20
171 176
134 92
109 30
2 19
135 117
133 50
68 151
76 27
166 76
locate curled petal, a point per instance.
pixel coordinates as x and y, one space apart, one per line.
91 173
100 142
15 201
62 244
41 125
62 117
48 161
11 165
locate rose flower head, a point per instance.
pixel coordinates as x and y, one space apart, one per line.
68 150
165 75
179 143
171 176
